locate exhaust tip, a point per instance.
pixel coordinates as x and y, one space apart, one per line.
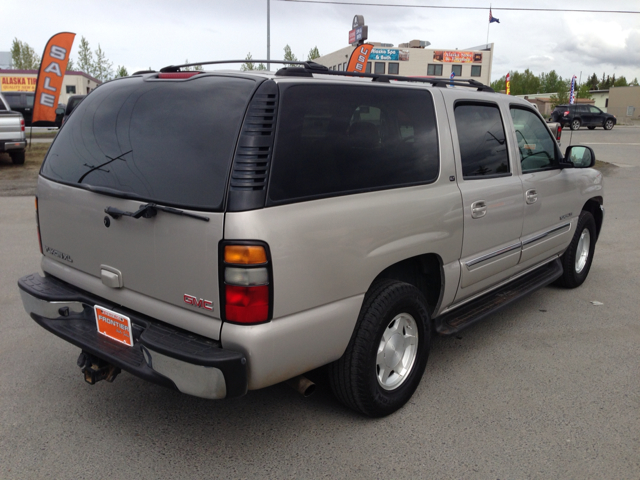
302 385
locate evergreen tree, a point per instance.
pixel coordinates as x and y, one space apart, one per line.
313 53
121 72
85 58
102 67
593 82
248 65
288 55
23 57
70 66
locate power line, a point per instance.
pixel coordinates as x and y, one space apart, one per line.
329 2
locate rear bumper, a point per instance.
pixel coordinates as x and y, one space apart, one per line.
6 145
161 353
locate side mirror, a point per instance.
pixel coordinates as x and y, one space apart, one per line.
580 156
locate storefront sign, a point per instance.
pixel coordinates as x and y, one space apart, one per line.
457 56
389 54
18 84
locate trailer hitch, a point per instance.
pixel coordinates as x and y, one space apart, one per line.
96 369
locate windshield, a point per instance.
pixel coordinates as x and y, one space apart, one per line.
169 142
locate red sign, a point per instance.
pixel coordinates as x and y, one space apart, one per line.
50 76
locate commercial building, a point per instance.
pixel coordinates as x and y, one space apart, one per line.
624 103
414 59
74 83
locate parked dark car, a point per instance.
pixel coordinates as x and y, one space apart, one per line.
23 102
576 116
73 102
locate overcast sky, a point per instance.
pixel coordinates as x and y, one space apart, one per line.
141 34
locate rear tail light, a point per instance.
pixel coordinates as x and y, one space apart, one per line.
559 133
38 225
177 75
566 113
246 282
22 124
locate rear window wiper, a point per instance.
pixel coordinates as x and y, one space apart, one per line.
151 210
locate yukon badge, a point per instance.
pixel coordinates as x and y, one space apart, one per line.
198 302
58 254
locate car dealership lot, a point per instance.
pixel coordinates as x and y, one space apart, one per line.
547 388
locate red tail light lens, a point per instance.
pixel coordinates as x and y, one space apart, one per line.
246 282
247 304
566 113
22 124
559 134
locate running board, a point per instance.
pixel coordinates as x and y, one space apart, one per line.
469 313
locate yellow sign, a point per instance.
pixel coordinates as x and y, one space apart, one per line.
18 84
457 56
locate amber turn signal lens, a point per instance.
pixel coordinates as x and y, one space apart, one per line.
245 254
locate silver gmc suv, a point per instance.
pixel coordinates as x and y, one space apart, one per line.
218 232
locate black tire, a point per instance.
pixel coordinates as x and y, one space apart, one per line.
591 128
576 271
17 157
575 124
354 377
608 124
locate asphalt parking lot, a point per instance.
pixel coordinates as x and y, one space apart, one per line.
547 388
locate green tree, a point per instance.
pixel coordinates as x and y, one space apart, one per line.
584 91
500 85
248 65
23 57
621 82
192 68
102 67
560 98
288 55
552 83
70 66
634 83
313 53
121 72
85 58
593 82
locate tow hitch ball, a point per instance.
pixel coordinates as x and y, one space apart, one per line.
96 369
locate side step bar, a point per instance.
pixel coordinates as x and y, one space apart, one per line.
469 313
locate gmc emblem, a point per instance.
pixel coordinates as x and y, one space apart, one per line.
198 302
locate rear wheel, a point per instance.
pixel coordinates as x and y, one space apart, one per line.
575 124
17 157
388 351
576 261
608 124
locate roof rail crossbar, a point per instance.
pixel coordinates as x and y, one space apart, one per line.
308 65
307 68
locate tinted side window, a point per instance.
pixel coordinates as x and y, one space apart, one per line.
338 139
483 145
535 142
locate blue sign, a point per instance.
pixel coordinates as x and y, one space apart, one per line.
384 54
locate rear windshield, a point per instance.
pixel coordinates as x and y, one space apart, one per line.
169 142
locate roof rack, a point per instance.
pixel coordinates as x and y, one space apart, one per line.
308 68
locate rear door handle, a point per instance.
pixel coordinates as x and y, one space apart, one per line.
478 209
531 196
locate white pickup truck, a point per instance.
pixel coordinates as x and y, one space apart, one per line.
12 136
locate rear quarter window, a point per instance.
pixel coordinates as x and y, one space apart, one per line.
169 142
338 139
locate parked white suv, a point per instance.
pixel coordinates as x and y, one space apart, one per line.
218 232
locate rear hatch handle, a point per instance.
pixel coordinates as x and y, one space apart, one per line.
151 210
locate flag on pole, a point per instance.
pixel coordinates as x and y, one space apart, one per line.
508 84
50 76
492 18
453 74
572 96
359 58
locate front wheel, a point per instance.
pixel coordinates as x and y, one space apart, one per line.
576 261
388 352
575 124
17 157
608 124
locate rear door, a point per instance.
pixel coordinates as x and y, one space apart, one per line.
130 143
492 198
